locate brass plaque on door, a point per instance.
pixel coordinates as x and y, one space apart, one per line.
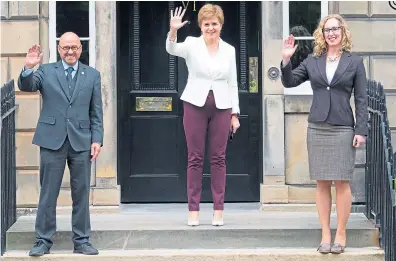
153 103
253 74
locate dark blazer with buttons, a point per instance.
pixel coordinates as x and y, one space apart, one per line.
331 102
79 117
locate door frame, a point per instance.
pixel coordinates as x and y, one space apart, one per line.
260 86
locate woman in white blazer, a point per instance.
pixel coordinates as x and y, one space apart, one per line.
211 103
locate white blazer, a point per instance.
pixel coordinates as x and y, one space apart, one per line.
207 73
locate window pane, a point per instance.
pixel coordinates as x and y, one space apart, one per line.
84 58
304 48
72 16
306 14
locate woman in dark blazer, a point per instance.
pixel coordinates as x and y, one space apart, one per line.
332 136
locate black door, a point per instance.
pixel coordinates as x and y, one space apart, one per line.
152 153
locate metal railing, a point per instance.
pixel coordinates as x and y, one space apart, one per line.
380 171
8 161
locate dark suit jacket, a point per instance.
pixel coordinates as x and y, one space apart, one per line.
331 102
79 118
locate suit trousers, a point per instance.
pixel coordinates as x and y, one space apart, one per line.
197 122
52 167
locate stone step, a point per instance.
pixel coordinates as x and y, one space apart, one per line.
294 207
289 207
149 227
269 254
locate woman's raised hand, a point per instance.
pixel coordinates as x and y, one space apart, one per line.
176 19
288 48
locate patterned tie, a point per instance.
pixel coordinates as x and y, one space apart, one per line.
69 74
69 79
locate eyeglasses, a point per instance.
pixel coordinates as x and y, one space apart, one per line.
67 48
333 29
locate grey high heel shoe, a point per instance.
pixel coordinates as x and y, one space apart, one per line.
337 248
324 248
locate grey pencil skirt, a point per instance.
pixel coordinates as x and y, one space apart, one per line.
331 155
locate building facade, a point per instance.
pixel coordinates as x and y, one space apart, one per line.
144 154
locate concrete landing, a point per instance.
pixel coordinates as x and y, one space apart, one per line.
351 254
147 227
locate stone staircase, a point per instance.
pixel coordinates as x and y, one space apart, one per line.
159 232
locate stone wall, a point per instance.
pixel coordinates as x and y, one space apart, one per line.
285 158
26 23
22 25
274 189
106 191
372 25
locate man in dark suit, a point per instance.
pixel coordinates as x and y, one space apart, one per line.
70 129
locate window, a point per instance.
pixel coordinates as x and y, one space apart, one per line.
301 19
73 16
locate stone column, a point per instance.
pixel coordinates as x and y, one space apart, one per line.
273 190
106 191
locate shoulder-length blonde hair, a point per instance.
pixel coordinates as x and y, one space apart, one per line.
320 42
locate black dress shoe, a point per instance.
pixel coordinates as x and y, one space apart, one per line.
39 249
85 249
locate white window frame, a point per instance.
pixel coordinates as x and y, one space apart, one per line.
304 88
92 33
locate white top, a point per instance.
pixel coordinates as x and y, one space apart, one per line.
330 70
205 73
210 64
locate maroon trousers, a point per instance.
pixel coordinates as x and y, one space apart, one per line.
197 122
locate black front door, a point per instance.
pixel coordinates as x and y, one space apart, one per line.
152 153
